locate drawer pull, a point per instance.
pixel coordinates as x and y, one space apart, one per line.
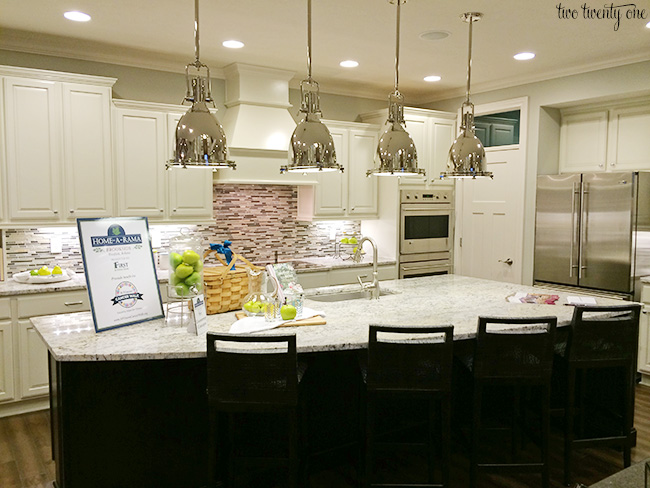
70 304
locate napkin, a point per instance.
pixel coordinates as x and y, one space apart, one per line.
248 325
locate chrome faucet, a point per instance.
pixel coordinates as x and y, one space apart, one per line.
374 286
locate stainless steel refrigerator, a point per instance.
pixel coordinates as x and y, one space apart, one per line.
593 231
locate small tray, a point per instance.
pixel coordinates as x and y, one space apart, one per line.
26 277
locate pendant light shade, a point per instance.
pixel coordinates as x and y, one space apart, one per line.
311 148
396 153
199 141
467 154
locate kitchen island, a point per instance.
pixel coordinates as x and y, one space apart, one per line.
129 405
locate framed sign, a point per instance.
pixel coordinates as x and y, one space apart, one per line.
120 272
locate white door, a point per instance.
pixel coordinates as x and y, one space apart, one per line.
489 223
331 191
362 190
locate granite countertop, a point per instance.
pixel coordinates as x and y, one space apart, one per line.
11 287
436 300
632 477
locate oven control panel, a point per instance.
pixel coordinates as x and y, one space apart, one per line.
437 196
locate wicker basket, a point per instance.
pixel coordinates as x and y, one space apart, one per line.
225 288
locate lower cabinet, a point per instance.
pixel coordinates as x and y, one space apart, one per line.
643 365
32 361
345 276
6 361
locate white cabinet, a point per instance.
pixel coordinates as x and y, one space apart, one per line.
350 194
643 364
32 361
144 135
612 138
432 132
6 352
57 133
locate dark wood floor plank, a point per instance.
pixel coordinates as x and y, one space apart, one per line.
9 475
26 454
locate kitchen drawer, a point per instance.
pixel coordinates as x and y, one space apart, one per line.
645 294
53 303
5 308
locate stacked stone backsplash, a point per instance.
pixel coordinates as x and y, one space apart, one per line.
260 220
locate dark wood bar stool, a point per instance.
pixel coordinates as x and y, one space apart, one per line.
600 337
259 379
410 363
512 359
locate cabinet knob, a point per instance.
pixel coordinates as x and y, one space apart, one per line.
72 210
55 211
161 210
174 210
601 165
613 163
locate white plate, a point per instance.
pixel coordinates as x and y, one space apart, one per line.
25 277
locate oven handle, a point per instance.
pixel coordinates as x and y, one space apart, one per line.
424 266
415 207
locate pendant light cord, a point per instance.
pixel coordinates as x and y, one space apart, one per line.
399 3
196 32
469 55
309 40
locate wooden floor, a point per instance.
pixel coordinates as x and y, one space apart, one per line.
25 457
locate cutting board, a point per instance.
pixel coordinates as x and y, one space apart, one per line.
318 320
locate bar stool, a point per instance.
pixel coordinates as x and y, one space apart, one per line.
513 359
599 337
411 363
246 378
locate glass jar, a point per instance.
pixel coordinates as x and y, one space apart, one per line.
296 299
185 265
258 295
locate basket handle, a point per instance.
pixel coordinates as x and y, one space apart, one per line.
229 266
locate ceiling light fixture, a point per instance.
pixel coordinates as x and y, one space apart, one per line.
467 154
524 56
232 44
349 64
200 141
76 16
434 35
396 154
432 78
311 148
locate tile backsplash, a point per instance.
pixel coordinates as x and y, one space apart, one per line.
260 220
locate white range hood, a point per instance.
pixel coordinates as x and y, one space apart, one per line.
258 126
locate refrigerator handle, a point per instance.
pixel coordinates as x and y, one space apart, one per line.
574 230
584 190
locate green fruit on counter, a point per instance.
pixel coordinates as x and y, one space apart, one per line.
352 240
198 266
57 270
182 290
183 270
193 279
44 271
34 272
288 312
175 259
345 240
190 257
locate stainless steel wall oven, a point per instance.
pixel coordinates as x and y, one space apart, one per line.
426 232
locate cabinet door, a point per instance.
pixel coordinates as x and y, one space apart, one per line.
362 191
583 142
6 362
32 362
87 150
643 364
416 126
330 195
33 134
442 137
141 150
629 139
190 190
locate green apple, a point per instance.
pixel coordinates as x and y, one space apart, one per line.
175 259
345 240
173 279
198 266
190 257
182 290
248 306
352 240
44 271
33 272
193 279
288 312
57 270
183 270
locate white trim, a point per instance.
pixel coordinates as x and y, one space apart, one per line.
60 76
138 105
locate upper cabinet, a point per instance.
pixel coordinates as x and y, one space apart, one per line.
613 138
144 137
350 194
432 132
57 139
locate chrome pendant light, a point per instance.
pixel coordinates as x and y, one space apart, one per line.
467 154
311 148
396 154
200 141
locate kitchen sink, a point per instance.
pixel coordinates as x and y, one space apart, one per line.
347 295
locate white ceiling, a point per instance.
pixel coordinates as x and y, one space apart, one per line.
159 34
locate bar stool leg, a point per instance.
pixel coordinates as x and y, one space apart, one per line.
546 427
476 425
628 415
569 410
293 448
445 418
370 417
431 439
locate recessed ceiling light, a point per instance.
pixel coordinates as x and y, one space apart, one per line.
76 16
524 56
434 35
432 78
349 64
233 44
